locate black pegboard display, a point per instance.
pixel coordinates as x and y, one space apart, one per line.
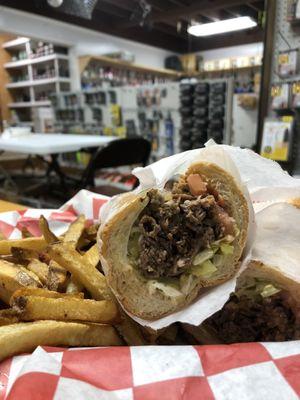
203 113
186 112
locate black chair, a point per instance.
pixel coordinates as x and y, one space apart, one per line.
118 153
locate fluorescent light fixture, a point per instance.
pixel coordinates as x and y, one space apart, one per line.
227 25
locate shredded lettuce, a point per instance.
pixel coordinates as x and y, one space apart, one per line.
218 260
215 247
187 281
209 260
269 290
203 256
205 270
225 239
257 287
226 248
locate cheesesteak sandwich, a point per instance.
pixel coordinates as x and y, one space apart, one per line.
266 303
265 307
162 248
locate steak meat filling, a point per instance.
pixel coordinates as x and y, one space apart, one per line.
245 319
175 229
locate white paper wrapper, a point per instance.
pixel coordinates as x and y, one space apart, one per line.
155 176
277 241
259 173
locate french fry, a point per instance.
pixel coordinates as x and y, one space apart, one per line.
12 278
8 320
91 232
34 308
74 286
23 255
88 238
75 231
40 269
202 334
83 243
52 276
2 236
130 331
57 276
92 255
47 233
25 337
11 259
25 233
9 316
82 271
32 243
44 257
168 335
41 292
32 275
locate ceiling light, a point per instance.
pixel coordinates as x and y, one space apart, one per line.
55 3
227 25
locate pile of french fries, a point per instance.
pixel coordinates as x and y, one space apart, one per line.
53 292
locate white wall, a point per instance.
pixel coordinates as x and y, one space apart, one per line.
85 41
251 49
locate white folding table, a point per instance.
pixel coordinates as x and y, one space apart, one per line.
52 144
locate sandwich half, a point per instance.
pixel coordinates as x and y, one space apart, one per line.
266 303
265 307
162 248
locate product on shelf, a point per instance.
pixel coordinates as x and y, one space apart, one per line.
27 93
90 112
295 95
94 77
288 63
20 77
277 138
280 94
202 88
44 72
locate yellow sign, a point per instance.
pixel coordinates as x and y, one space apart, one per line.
121 131
277 154
283 58
276 139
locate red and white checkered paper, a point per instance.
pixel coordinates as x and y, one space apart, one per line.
267 371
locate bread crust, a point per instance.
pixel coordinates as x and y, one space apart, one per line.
257 269
129 286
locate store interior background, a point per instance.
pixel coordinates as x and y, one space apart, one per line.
112 75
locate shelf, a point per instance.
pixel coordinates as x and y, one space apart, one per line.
25 104
222 71
110 62
17 43
284 79
84 61
36 82
30 61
